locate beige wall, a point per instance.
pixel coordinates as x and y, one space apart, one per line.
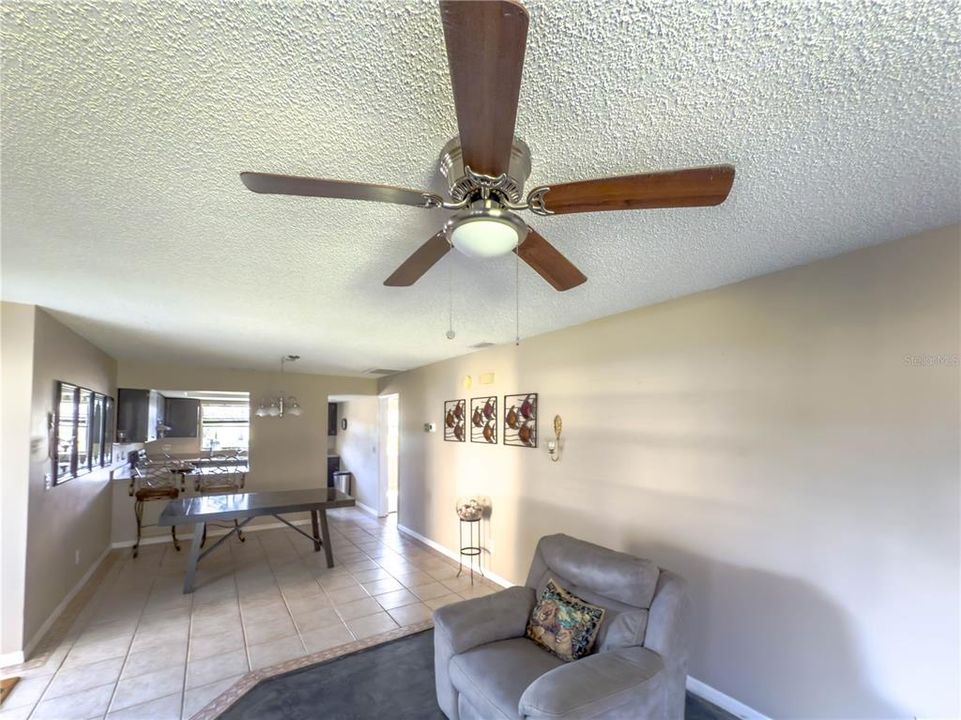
289 452
358 448
775 443
69 525
16 392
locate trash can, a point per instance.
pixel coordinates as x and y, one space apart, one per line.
343 481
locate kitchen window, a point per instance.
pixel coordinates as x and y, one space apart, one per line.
225 426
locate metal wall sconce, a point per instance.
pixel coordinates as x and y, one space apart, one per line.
553 446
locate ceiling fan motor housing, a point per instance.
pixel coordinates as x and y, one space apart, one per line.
463 185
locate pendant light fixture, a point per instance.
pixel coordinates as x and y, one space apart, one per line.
280 404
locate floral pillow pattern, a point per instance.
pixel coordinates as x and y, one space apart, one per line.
563 623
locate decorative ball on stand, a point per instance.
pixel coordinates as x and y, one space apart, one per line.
471 509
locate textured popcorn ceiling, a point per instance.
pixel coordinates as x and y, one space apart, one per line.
124 127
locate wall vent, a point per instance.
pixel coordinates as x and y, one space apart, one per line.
380 371
481 345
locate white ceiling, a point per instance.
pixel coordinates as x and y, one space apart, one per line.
124 126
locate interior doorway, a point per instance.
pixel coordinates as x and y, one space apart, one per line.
389 453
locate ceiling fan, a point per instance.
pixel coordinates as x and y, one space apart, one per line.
486 165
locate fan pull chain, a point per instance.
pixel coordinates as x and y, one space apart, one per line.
517 298
450 302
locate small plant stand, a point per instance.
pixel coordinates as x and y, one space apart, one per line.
472 549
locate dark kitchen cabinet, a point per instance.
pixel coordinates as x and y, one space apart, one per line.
139 413
182 417
331 419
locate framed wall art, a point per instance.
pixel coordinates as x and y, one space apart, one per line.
520 420
455 420
483 420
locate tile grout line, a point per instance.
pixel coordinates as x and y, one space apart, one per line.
283 598
45 688
126 656
329 600
113 570
240 606
64 659
378 542
374 546
190 627
334 605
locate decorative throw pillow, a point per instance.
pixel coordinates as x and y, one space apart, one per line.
563 623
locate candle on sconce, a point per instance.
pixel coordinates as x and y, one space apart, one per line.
553 445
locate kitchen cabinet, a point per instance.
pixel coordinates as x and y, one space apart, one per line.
139 413
158 415
331 419
182 417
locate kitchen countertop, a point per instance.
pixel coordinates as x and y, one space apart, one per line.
123 472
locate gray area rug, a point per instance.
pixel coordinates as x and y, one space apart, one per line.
394 680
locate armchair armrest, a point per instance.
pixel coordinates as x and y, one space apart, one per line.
486 619
598 684
461 626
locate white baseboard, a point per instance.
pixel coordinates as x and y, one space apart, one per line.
725 702
158 539
702 690
452 554
367 508
58 611
11 658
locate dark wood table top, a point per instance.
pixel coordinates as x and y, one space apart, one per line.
231 506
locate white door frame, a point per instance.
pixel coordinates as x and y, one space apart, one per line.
382 464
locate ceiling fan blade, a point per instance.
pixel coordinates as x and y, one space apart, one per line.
549 263
673 188
486 40
320 187
423 259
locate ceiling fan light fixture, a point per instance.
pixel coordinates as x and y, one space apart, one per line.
486 233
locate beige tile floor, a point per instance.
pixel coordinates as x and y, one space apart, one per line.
141 649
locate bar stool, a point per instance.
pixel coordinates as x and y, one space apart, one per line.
221 477
152 482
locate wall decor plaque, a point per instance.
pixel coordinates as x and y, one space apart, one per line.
520 420
483 420
455 420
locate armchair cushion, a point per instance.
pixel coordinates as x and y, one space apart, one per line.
486 619
492 677
563 623
615 684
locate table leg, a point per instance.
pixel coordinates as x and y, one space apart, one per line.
195 546
313 522
325 533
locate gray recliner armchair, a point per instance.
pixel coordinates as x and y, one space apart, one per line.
486 669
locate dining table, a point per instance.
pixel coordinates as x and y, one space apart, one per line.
243 507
